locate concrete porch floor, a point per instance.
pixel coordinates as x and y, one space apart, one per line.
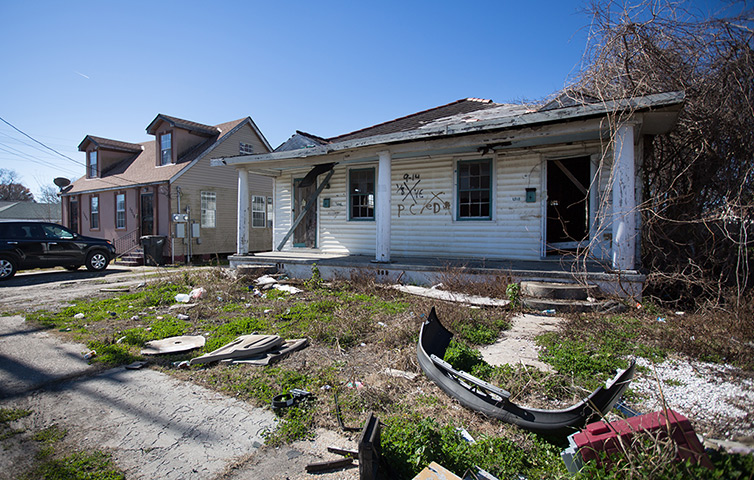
430 271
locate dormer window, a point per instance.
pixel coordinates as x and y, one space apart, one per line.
93 164
166 149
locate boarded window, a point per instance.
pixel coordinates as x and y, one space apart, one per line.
209 209
258 212
361 194
474 189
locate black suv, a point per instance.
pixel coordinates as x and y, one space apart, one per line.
25 245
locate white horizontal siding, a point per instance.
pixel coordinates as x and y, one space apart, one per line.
424 221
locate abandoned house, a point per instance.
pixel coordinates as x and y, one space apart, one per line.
166 188
541 192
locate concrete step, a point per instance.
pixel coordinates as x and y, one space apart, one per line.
555 306
558 291
133 258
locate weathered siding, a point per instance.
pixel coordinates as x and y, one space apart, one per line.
223 182
424 209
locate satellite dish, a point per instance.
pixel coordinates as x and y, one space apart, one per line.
61 182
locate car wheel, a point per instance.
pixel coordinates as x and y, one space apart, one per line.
72 267
7 268
97 261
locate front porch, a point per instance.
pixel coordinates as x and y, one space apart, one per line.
428 271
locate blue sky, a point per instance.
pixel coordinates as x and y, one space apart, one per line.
77 68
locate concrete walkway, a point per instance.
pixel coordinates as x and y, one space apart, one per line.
153 425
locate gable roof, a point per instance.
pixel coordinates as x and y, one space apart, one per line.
109 144
140 169
419 119
193 127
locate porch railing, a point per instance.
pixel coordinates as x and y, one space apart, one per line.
127 243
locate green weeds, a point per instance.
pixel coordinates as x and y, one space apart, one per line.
410 442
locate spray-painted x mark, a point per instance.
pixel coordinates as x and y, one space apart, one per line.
409 191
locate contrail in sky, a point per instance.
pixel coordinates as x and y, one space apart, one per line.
81 74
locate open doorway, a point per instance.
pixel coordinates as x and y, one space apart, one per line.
568 182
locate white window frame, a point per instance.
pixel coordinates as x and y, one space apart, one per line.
209 209
120 211
166 152
94 212
93 164
258 211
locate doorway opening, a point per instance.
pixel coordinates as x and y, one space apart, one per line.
568 182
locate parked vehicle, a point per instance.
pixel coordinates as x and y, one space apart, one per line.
25 245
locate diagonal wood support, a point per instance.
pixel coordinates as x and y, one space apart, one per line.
309 203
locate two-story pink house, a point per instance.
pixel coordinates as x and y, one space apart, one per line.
166 187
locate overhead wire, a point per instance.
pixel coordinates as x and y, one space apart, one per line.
77 162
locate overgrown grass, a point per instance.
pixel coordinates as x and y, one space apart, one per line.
410 442
356 329
8 415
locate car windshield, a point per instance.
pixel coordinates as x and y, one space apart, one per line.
56 231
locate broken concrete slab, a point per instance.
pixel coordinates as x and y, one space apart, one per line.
182 343
453 296
517 344
242 347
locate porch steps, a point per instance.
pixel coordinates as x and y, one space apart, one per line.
560 297
134 258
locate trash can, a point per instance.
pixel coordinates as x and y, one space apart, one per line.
152 245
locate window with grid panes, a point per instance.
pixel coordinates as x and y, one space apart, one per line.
361 194
120 210
258 211
209 209
474 189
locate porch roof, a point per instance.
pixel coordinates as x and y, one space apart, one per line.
658 114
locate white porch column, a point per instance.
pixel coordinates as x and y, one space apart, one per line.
382 207
242 229
624 200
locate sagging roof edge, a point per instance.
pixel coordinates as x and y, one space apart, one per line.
639 104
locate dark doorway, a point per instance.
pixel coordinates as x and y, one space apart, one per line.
73 215
568 182
305 234
147 213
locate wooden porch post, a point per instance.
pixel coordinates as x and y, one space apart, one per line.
624 200
242 234
382 208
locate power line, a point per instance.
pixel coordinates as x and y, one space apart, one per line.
37 141
62 154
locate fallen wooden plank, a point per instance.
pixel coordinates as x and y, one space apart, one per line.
329 465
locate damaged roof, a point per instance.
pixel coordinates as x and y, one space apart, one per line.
417 120
464 118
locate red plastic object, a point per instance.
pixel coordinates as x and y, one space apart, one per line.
600 437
